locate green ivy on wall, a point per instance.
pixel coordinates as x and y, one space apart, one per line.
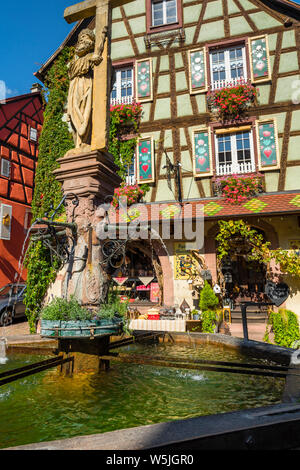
54 142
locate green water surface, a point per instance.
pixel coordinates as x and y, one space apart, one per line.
48 406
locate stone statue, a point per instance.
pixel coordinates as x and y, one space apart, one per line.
80 98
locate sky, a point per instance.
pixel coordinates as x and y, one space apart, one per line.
31 31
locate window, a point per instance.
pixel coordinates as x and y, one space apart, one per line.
122 91
33 134
5 221
228 66
234 153
131 175
164 12
5 168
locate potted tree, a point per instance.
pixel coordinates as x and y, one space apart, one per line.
208 304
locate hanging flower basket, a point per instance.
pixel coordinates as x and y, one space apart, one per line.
133 193
237 189
230 103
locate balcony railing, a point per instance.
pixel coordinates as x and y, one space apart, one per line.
123 100
235 168
218 84
131 180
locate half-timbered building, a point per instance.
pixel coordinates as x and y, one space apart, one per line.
21 120
171 56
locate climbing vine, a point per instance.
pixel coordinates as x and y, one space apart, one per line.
54 142
260 250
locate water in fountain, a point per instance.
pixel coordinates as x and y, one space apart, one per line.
3 357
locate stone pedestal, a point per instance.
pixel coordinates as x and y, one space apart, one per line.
91 177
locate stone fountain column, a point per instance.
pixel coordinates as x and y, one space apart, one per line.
91 177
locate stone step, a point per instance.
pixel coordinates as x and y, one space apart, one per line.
252 317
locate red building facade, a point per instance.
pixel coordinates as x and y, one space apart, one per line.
21 120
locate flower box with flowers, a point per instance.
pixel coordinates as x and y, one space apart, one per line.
131 194
237 189
126 116
231 102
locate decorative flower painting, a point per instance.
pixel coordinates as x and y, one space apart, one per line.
197 71
259 52
146 170
144 80
202 153
267 145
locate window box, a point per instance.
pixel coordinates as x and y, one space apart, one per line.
231 103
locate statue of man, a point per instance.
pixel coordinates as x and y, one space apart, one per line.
80 98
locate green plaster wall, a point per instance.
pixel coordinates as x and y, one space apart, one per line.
271 179
168 142
164 63
289 39
232 7
116 13
182 137
186 161
213 10
239 25
163 191
178 60
264 21
288 62
163 84
284 90
264 93
141 45
292 178
247 5
181 83
190 14
184 107
189 34
206 186
295 124
211 31
190 189
138 25
146 112
121 49
272 38
135 8
162 109
201 102
119 30
294 148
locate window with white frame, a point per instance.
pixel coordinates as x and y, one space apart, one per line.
234 153
5 221
33 134
228 66
131 174
122 90
164 12
5 168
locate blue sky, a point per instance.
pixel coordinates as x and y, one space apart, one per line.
31 31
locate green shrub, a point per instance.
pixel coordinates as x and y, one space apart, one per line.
208 299
66 310
285 326
209 320
113 307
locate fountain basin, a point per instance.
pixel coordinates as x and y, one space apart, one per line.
80 329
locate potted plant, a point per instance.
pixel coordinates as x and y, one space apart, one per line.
67 318
208 304
195 314
132 194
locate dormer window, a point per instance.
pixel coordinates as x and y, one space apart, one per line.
164 12
228 66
